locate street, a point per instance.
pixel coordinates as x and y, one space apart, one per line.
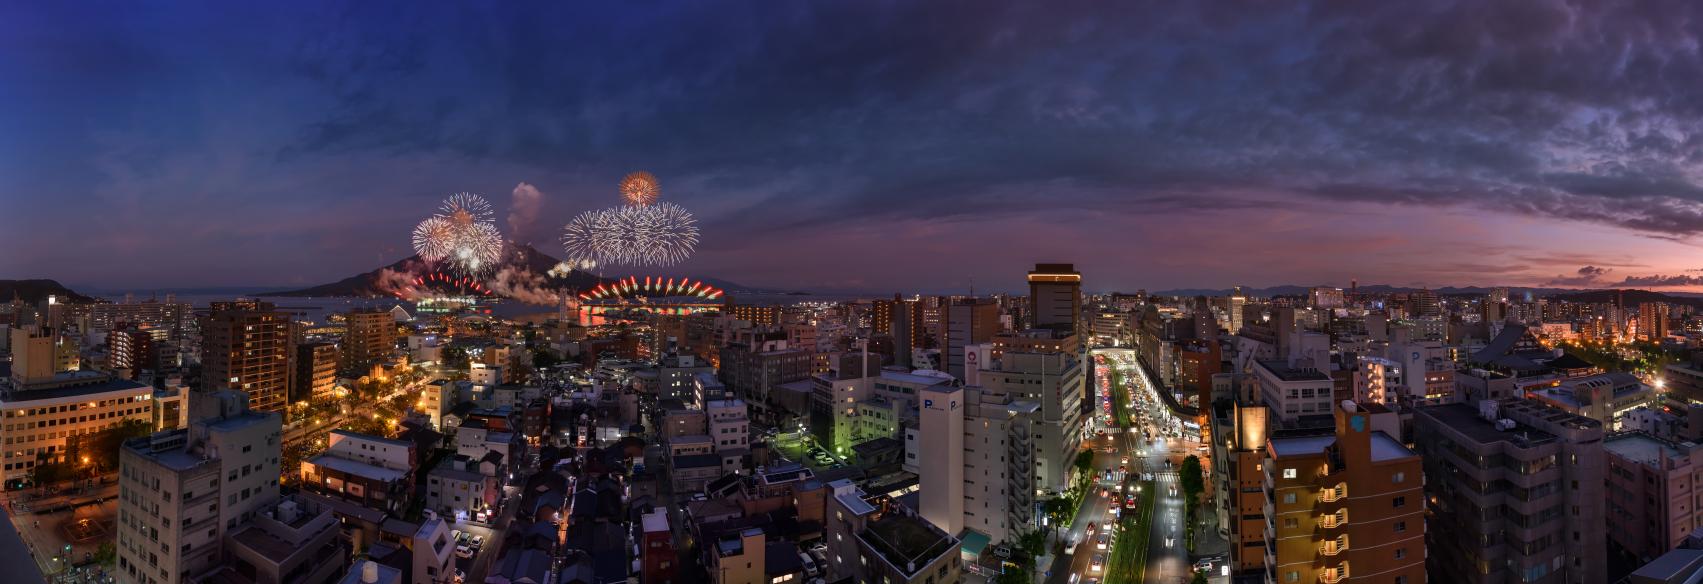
1151 448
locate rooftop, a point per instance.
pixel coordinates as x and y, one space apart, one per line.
1284 372
370 438
1301 445
1465 419
360 469
908 542
1386 448
1641 448
95 384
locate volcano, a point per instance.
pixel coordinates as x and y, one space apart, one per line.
517 259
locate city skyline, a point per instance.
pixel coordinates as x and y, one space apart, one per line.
1529 145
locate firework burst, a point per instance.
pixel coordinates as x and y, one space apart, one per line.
433 238
467 208
478 248
661 234
462 233
640 189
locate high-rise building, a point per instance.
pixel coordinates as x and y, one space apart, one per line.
1237 302
1055 297
1238 456
1653 320
1516 493
370 340
1423 303
1652 492
1056 381
316 372
247 345
183 491
1326 297
968 322
1345 506
941 458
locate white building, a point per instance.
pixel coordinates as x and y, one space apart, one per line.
1054 380
730 426
180 491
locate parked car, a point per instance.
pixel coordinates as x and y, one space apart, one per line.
1099 562
478 542
463 552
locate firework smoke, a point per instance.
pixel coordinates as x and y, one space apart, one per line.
527 201
525 286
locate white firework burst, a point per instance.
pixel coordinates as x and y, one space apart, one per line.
661 234
467 208
433 238
477 249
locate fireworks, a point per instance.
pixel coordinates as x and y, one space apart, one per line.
640 189
466 208
461 233
433 238
661 234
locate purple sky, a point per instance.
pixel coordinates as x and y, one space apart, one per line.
914 146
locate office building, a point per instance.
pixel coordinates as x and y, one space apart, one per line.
1345 506
1516 493
1653 320
752 371
1293 390
248 346
316 372
1605 397
370 340
967 322
1055 298
182 492
176 318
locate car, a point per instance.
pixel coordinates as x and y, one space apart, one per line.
1126 460
1102 542
478 542
1099 563
1173 490
1112 510
460 576
463 552
456 536
1091 527
1105 493
1203 566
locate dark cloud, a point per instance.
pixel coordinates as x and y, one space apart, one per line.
786 118
1586 276
1663 281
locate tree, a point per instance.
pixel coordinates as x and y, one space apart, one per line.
1085 461
48 472
543 359
106 554
455 357
106 445
1190 476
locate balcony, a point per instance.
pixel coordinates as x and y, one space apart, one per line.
1332 495
1332 547
1334 575
1334 520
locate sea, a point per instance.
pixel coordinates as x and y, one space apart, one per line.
319 309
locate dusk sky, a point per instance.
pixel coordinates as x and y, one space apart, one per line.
905 146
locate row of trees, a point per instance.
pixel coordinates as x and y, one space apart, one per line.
87 456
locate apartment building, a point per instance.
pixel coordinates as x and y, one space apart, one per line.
1654 492
1347 505
1516 492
